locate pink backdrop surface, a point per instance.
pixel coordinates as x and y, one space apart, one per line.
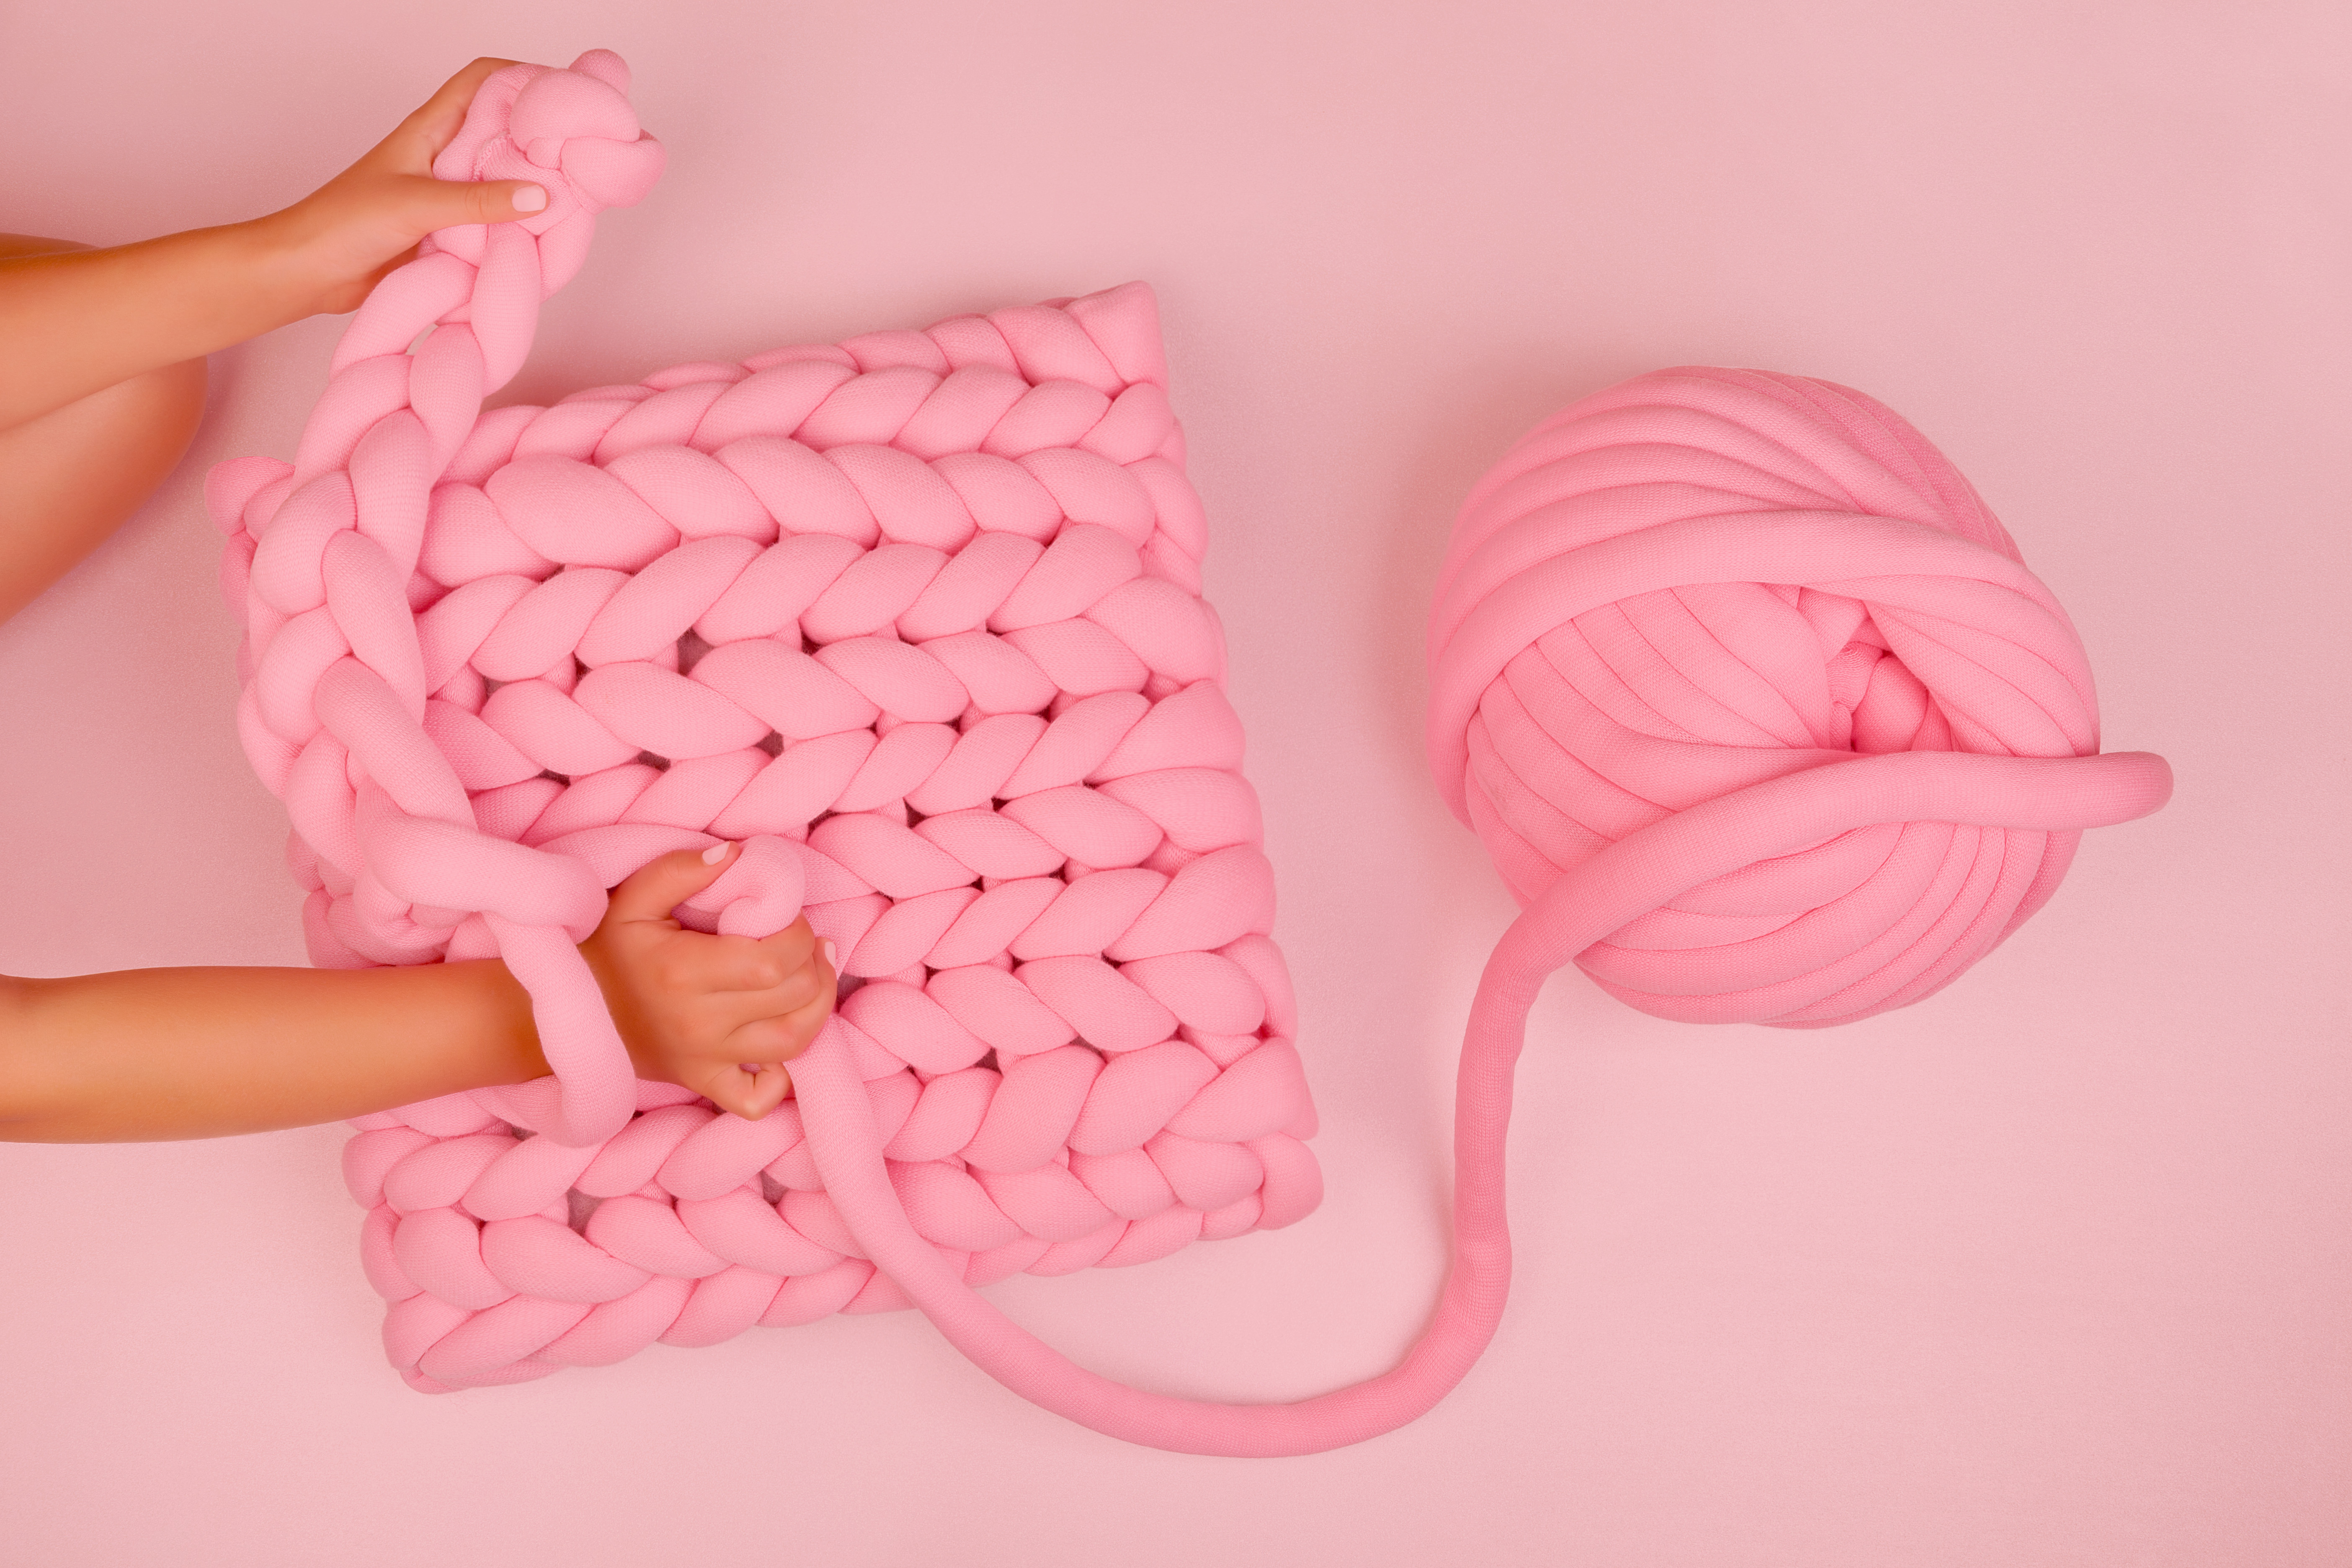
2049 1269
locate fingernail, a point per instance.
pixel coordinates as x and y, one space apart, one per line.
831 961
716 853
529 199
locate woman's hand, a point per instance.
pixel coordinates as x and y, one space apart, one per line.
717 1015
342 239
85 319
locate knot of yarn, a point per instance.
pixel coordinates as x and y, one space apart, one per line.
572 132
1701 582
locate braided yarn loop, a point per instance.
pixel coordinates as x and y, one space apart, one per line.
1752 702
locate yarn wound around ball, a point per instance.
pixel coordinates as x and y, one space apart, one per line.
1750 698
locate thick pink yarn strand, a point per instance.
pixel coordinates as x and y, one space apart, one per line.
1752 702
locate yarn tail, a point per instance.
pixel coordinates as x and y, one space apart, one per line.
842 1134
1629 877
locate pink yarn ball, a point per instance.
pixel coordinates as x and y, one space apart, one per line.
1699 582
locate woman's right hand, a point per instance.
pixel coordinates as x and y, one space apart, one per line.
335 245
698 1010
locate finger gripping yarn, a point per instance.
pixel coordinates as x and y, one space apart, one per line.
1752 592
917 618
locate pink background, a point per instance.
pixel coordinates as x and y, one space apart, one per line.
2052 1270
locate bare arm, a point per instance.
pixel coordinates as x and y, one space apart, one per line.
143 1054
85 319
139 1055
81 321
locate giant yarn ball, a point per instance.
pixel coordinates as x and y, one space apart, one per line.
1757 606
1751 700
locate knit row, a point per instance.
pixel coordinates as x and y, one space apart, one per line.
737 692
1116 741
999 1225
1114 822
1171 1101
808 588
1159 817
740 694
527 1337
1087 373
1122 638
474 1262
517 1333
540 511
806 445
737 698
1196 806
820 399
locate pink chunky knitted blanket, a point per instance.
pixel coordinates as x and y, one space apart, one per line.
1750 697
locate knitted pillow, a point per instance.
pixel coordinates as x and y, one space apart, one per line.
1751 700
918 616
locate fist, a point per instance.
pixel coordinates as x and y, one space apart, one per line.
717 1015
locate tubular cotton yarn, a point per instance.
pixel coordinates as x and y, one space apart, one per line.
1700 582
1753 703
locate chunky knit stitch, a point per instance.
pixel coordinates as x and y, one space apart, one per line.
1749 695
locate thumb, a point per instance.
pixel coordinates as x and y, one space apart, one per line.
749 1095
655 889
453 202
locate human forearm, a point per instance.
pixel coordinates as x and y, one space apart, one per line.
79 321
157 1054
73 323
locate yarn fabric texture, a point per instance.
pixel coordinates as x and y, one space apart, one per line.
1752 702
917 618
